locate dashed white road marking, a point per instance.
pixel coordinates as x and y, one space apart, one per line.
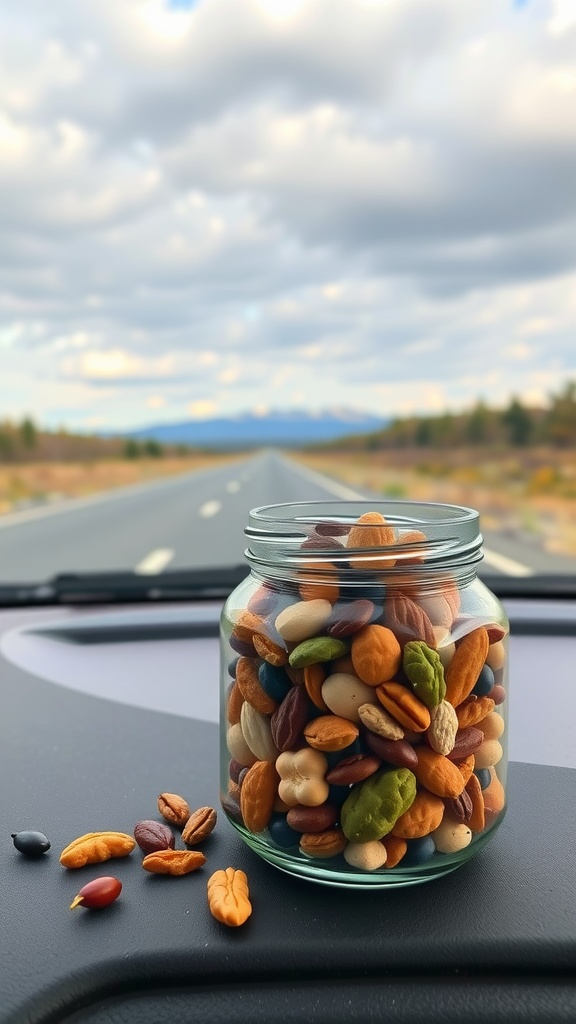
232 486
509 566
337 489
209 508
155 562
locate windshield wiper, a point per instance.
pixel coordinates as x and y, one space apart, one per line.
125 587
216 583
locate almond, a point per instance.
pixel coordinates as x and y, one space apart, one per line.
251 687
408 620
439 775
257 795
376 654
272 652
422 817
473 710
395 849
463 671
371 531
314 676
330 733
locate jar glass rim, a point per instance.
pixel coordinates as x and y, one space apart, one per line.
397 512
300 535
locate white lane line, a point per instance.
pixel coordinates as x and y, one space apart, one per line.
99 498
232 486
155 562
335 488
209 508
509 566
506 565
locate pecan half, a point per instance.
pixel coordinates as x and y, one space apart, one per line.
329 843
173 808
95 847
173 862
199 826
461 807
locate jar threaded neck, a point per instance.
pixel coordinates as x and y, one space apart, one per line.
312 539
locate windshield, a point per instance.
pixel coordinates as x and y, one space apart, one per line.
263 251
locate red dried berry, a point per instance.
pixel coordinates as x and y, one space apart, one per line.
98 893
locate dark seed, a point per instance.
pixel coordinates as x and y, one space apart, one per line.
327 529
31 844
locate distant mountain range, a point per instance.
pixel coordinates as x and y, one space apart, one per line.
247 430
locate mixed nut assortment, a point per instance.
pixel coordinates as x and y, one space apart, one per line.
363 721
227 890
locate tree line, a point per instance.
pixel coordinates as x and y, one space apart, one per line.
518 425
24 441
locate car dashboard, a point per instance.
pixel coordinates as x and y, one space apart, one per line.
106 706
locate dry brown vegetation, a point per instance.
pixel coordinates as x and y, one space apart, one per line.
34 482
531 491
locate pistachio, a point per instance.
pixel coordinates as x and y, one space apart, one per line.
425 671
315 649
374 806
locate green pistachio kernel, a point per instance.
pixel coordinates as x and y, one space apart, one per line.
374 806
425 671
318 648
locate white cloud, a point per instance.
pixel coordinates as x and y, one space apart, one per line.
202 410
281 201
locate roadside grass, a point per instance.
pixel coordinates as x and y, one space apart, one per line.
31 483
531 492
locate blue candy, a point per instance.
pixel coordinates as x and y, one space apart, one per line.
281 832
418 852
338 794
484 683
484 777
375 593
274 680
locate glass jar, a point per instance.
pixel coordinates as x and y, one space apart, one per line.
364 692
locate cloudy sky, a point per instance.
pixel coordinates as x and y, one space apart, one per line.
227 205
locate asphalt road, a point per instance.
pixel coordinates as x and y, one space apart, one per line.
196 520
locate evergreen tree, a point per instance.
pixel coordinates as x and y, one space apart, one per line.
561 419
518 422
132 449
423 435
153 449
28 433
477 425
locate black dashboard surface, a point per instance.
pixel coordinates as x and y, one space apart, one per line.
495 940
